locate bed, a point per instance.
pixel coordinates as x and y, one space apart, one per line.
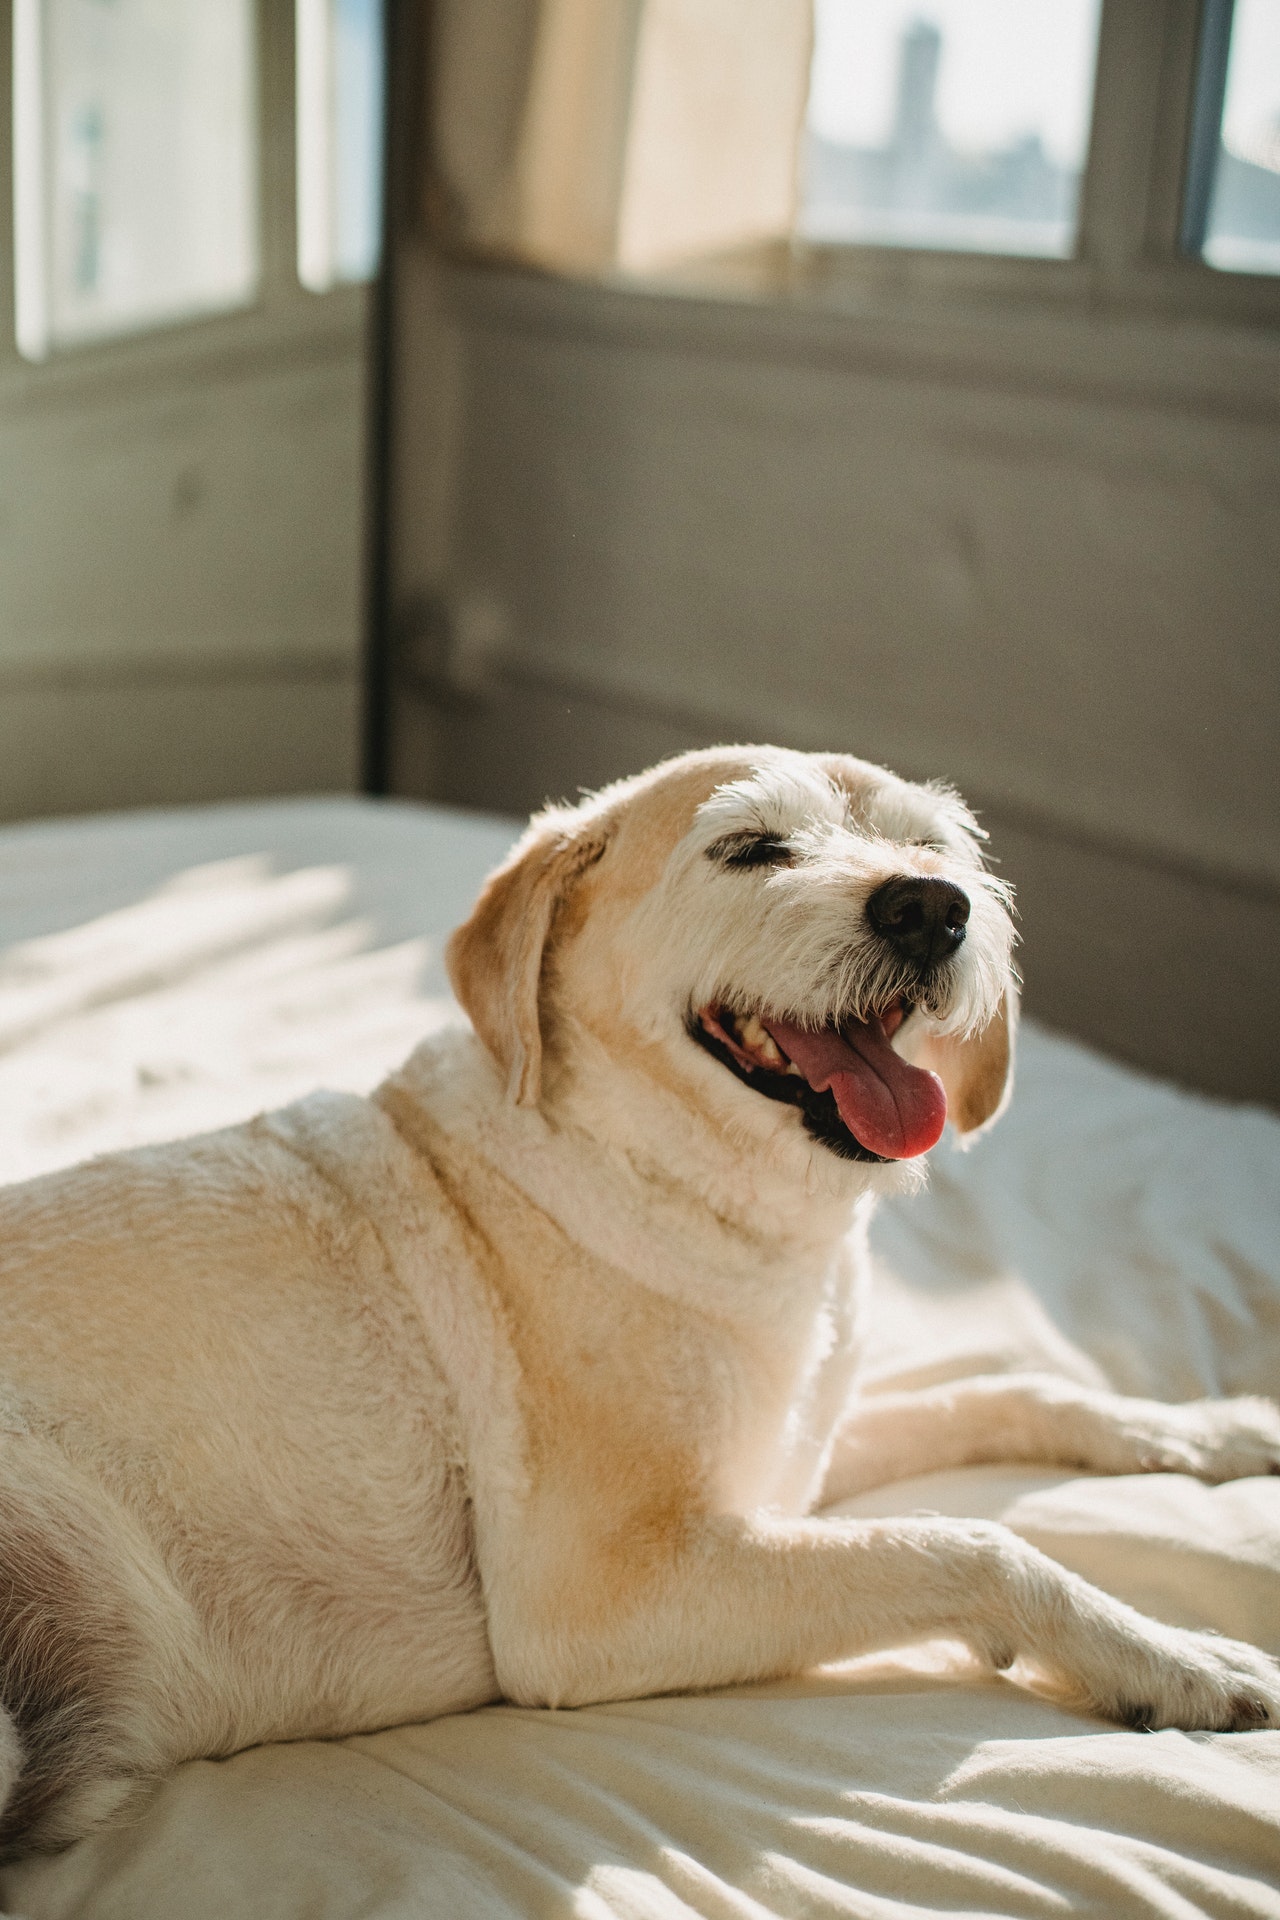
168 972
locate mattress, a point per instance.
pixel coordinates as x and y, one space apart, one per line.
163 973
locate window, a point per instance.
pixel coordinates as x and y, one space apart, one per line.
949 123
144 193
851 152
134 162
1232 210
339 86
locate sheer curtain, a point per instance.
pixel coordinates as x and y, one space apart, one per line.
590 136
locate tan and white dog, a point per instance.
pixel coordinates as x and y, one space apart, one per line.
526 1376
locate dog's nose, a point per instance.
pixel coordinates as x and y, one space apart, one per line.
924 920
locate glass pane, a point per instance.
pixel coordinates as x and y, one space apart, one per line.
949 123
1242 231
340 85
134 164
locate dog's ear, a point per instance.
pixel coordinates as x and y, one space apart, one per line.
976 1069
495 957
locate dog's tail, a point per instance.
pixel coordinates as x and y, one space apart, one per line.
82 1610
12 1758
59 1784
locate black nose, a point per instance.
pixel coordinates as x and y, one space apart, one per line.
923 920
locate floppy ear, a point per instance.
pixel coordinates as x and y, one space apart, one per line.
977 1069
495 957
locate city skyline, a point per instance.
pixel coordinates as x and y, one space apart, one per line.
917 187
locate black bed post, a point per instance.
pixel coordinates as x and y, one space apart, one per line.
401 77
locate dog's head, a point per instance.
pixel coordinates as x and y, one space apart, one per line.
800 947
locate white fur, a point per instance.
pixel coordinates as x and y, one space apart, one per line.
530 1374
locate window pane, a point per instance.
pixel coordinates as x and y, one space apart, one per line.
134 164
949 123
1242 228
340 69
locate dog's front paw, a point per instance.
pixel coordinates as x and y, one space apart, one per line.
1213 1439
1117 1662
1126 1667
1196 1681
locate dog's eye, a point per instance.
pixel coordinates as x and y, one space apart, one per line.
752 850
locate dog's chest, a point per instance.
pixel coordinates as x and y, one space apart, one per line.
792 1394
651 1366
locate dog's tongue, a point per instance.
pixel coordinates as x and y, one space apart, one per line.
889 1106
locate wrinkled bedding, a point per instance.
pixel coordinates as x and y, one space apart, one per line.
164 973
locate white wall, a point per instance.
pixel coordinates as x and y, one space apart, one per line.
181 535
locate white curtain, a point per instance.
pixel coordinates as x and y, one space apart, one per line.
592 136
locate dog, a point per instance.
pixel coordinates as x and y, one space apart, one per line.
529 1375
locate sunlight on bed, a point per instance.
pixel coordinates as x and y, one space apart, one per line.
229 988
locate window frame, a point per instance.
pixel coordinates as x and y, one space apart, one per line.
1128 264
281 319
1129 257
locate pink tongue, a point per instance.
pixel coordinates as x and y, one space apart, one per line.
889 1106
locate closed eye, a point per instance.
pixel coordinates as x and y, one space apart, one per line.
752 850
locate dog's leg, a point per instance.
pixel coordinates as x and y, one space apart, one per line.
728 1599
1039 1418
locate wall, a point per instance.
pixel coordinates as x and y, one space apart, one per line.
1031 553
181 531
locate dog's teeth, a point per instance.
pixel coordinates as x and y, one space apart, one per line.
754 1035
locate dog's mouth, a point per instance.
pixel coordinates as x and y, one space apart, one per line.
855 1093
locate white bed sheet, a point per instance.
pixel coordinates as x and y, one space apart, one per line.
167 972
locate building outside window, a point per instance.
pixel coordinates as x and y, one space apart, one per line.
963 124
